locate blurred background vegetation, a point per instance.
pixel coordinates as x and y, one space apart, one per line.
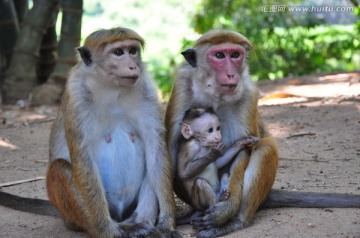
286 42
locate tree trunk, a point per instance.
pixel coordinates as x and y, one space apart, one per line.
2 70
21 78
69 39
47 60
22 7
9 27
51 91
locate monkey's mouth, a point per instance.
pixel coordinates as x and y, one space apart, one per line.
129 80
228 88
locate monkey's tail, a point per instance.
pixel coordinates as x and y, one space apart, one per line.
31 205
280 198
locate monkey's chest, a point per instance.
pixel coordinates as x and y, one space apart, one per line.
120 157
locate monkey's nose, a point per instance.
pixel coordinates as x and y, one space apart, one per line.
230 76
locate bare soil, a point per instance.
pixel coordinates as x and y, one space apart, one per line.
315 119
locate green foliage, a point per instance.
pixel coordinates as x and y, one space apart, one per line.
285 43
299 51
162 23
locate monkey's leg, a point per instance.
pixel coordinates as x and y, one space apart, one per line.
62 196
142 221
220 214
258 180
202 195
224 193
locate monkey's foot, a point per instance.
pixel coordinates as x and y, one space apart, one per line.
137 229
187 219
217 215
165 228
224 195
233 225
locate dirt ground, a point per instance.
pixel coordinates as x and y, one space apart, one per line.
318 133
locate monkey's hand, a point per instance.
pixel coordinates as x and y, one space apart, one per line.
218 150
254 140
194 166
164 230
113 230
248 141
215 216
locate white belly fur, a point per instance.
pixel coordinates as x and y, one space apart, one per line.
120 164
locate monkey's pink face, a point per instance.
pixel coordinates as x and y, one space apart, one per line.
226 59
122 63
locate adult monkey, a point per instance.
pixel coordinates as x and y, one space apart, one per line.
216 75
109 133
108 161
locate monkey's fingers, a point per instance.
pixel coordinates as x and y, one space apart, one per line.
224 195
200 224
138 229
254 139
246 142
233 225
221 147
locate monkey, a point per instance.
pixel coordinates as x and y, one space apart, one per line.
200 155
109 173
215 74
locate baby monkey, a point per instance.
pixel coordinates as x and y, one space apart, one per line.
201 155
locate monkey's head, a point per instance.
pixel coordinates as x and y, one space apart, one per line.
203 125
114 53
221 56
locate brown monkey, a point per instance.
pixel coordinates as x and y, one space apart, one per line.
201 154
107 153
108 161
216 75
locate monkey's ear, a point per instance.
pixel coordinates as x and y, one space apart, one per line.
85 55
186 131
247 47
190 56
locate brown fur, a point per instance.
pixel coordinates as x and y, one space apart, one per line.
216 37
100 145
98 39
239 117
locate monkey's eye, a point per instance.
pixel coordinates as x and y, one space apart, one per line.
235 55
220 55
218 128
118 52
133 51
210 130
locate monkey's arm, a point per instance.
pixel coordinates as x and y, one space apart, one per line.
191 163
84 174
159 169
234 149
228 155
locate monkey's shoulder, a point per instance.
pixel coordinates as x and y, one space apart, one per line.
192 150
193 145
